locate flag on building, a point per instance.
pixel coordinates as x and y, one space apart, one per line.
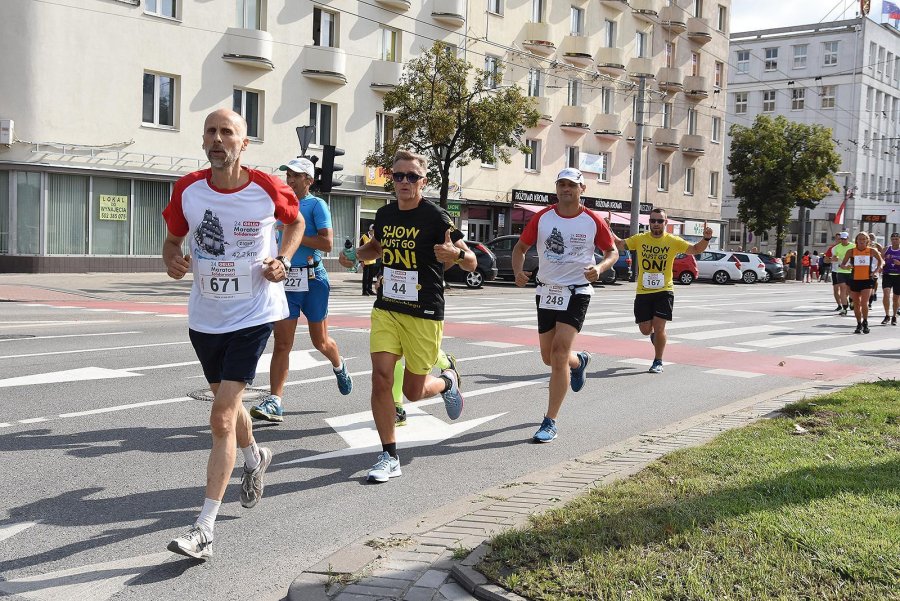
839 216
890 9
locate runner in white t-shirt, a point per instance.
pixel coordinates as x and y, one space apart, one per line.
566 234
227 214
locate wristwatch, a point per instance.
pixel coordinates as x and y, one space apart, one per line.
284 261
461 257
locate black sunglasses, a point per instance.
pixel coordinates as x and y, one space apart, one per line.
657 220
412 178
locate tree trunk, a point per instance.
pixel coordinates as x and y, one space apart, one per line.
801 241
779 239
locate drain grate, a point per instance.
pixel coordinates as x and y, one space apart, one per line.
251 395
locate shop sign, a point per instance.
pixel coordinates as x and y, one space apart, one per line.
113 208
453 208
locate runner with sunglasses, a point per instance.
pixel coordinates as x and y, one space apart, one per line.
890 280
655 300
416 241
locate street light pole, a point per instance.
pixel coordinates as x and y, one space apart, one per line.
638 156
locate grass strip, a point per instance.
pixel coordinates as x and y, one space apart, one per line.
764 512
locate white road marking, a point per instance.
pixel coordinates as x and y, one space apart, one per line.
70 375
855 350
786 340
733 349
495 344
45 324
298 360
644 362
676 325
729 332
93 350
607 320
811 358
69 336
733 373
13 529
124 407
798 318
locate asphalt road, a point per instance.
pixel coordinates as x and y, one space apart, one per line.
105 450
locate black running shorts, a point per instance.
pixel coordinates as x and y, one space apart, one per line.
860 285
573 315
233 355
653 304
891 280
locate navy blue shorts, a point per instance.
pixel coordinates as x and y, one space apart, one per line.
231 356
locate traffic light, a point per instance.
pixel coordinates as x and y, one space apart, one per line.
329 167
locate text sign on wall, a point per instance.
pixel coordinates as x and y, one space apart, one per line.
113 208
453 208
874 218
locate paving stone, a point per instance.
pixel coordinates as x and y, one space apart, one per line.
432 579
356 597
348 560
476 555
485 519
374 591
308 587
454 592
408 575
419 594
404 565
467 577
425 557
386 581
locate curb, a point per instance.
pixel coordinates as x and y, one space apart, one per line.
420 560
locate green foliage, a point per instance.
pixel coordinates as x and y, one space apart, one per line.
776 165
446 113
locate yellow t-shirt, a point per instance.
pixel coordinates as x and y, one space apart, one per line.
654 258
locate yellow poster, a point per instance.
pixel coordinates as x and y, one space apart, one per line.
113 208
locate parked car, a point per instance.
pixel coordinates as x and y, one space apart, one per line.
486 270
610 275
502 247
684 269
623 266
752 267
718 266
774 268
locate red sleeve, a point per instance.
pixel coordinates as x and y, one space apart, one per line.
174 213
529 234
603 238
828 252
287 207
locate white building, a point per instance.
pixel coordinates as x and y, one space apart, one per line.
844 75
103 105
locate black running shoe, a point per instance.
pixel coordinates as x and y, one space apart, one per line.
865 326
886 319
858 329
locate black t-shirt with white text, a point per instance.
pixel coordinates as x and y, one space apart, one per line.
412 277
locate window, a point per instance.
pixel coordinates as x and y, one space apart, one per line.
667 115
798 99
389 45
159 100
719 74
722 20
670 54
609 33
246 103
879 66
713 184
4 211
640 44
109 237
830 53
870 98
28 213
537 11
873 50
67 214
488 164
603 175
771 63
495 6
572 156
695 64
577 21
320 117
606 101
735 231
698 8
574 97
743 61
384 129
533 158
800 56
692 122
662 183
150 198
535 83
716 130
865 147
827 94
740 103
689 181
248 14
769 101
491 72
324 28
161 8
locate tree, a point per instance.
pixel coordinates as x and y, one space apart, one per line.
776 165
439 115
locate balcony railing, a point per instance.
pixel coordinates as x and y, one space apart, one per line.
611 61
538 39
696 87
324 63
249 47
698 30
672 19
693 145
669 79
574 118
385 75
666 139
641 67
631 132
576 49
607 127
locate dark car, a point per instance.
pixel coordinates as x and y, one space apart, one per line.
684 269
486 270
623 266
774 267
502 247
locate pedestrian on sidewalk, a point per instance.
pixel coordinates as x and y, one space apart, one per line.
805 265
566 234
416 241
814 263
307 289
654 301
370 267
228 214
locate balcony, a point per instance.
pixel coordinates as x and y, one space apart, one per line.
325 64
576 49
669 80
396 4
646 10
698 30
538 39
451 12
641 67
693 146
665 139
631 132
542 105
249 47
695 87
671 18
615 4
611 61
574 119
607 127
385 75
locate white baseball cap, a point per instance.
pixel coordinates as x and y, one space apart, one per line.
301 165
571 174
845 235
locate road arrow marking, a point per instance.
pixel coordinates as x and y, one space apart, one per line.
13 529
298 360
69 375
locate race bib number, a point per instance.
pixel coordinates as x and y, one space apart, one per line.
400 285
297 280
554 297
653 281
225 280
861 261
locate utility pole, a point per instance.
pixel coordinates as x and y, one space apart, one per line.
638 155
802 216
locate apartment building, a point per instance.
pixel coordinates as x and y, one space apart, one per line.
844 75
104 101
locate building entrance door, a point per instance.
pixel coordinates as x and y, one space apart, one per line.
479 229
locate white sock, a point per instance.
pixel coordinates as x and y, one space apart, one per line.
251 456
207 519
340 367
